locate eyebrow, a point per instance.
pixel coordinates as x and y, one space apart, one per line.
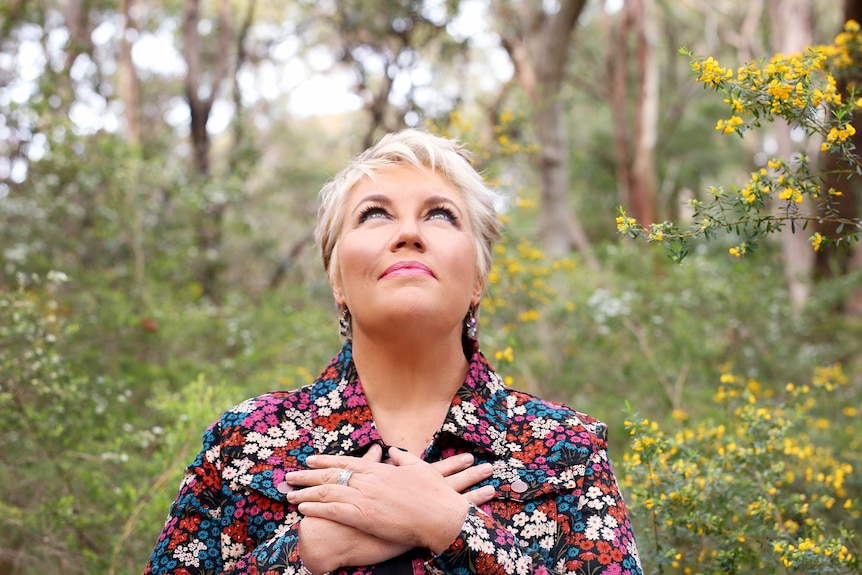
385 200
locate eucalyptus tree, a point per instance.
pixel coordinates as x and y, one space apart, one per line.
538 36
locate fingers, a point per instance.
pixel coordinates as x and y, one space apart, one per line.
374 453
402 457
322 477
481 495
453 464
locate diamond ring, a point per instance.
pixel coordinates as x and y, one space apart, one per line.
344 476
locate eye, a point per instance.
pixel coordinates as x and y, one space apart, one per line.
372 211
442 213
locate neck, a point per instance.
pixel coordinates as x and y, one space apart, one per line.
409 385
403 375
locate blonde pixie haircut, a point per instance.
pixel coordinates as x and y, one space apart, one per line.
411 147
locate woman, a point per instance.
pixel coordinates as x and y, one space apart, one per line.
408 454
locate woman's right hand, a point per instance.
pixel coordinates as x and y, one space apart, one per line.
326 545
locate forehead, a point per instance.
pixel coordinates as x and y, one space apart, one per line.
405 182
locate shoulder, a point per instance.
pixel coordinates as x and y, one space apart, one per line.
274 422
276 409
532 417
257 441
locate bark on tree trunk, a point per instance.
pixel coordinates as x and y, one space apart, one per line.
617 64
208 228
540 54
790 22
635 142
830 261
130 93
644 178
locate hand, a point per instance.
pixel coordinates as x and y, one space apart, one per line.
326 545
411 503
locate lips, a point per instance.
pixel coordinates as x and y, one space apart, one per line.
408 268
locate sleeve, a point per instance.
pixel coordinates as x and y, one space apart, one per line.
207 533
572 531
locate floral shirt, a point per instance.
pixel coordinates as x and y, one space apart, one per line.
557 509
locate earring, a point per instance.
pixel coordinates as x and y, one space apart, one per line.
470 324
344 323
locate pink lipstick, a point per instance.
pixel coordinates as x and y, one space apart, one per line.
407 268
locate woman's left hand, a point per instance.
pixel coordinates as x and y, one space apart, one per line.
410 502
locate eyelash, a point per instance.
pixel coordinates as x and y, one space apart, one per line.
372 209
442 209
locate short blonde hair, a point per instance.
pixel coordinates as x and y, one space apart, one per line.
412 147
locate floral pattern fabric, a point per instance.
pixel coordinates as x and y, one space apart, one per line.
557 507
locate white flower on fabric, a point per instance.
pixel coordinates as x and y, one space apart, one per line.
231 550
475 542
611 521
540 516
524 565
290 519
513 408
608 534
495 383
213 454
246 406
520 519
188 554
265 453
505 561
542 427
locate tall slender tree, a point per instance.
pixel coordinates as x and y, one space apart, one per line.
538 38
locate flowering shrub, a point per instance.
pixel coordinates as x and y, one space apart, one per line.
801 89
759 492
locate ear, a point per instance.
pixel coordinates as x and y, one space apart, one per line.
337 291
338 295
478 288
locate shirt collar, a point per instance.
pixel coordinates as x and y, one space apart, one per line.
343 423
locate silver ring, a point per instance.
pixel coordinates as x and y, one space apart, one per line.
344 476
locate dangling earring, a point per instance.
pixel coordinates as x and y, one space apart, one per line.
344 323
470 324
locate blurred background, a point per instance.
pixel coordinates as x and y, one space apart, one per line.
159 169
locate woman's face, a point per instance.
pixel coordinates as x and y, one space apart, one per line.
406 253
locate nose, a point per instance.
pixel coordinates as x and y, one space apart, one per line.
408 236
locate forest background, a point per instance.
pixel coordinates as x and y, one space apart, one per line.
159 165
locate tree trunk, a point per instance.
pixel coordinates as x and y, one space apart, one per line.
540 53
130 91
790 23
208 228
644 179
832 261
130 94
618 65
